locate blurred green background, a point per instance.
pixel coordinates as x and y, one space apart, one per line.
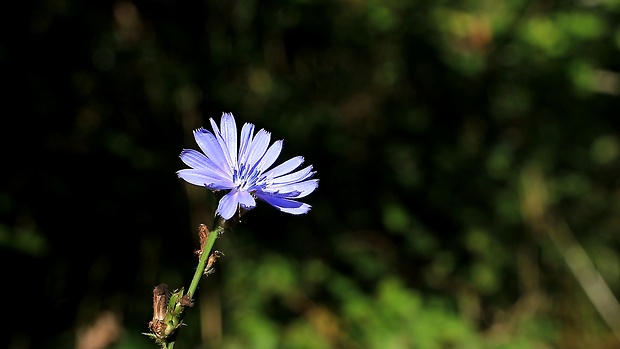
468 154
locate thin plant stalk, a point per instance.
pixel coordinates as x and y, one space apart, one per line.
200 269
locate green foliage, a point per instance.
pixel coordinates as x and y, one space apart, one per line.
389 315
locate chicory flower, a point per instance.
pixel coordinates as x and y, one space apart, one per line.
244 172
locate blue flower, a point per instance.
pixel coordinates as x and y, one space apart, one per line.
245 173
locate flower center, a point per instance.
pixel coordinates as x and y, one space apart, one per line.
245 179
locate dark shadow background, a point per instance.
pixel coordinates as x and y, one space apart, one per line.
468 154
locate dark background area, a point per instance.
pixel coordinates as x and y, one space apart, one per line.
468 157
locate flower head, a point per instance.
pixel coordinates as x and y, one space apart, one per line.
245 172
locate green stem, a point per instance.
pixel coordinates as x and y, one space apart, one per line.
200 269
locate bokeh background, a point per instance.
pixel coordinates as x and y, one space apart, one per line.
468 153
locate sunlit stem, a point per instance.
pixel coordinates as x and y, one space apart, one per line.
213 235
200 269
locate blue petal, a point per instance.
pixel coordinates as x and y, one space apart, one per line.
285 205
212 149
229 133
295 176
198 160
258 147
224 144
284 168
294 190
228 205
246 200
216 130
270 156
205 179
303 209
246 139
